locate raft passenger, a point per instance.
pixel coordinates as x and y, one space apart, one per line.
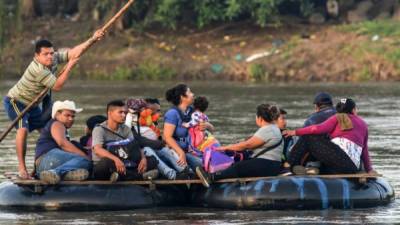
323 106
200 139
56 157
345 148
175 135
289 142
144 127
266 144
86 140
127 164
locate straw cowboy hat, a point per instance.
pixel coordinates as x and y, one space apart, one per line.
62 105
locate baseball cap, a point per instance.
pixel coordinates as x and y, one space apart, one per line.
322 98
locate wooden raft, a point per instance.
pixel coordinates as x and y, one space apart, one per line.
361 177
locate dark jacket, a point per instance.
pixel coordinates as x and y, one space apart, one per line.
319 117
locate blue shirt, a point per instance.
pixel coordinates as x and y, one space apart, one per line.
176 118
319 117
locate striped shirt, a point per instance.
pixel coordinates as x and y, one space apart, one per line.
36 78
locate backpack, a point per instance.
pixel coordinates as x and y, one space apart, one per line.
197 137
239 155
128 150
214 161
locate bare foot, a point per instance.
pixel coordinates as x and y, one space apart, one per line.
24 175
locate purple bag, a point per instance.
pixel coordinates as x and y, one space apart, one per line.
214 161
136 104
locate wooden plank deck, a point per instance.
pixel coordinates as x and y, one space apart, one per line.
14 179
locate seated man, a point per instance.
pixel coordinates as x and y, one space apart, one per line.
55 156
323 109
108 164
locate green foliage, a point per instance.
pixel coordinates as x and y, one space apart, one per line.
385 28
167 12
364 74
265 10
10 20
307 7
235 8
170 13
122 73
150 70
257 72
209 11
146 70
2 24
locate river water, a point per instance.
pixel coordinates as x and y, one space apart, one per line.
232 111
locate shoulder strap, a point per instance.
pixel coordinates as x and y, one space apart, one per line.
269 148
137 133
111 131
179 112
182 116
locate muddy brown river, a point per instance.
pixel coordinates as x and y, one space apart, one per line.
232 111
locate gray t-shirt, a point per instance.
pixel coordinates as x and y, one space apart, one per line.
271 135
102 136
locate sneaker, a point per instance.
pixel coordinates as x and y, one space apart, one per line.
185 174
312 170
182 175
150 175
76 175
285 172
313 164
301 170
114 177
204 177
50 177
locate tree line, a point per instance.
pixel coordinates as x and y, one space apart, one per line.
172 14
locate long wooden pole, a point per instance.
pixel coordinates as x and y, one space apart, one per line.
44 92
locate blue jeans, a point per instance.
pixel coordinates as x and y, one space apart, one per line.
170 156
162 167
61 162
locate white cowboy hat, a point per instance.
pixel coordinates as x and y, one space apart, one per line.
60 105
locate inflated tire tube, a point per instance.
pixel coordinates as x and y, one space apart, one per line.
90 197
295 193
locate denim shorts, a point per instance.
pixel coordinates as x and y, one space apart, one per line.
32 120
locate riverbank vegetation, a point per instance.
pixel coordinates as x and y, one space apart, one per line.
260 40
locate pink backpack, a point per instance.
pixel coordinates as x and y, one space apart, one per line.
196 136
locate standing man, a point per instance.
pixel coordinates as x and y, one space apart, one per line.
40 74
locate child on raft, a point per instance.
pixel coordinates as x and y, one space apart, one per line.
200 139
